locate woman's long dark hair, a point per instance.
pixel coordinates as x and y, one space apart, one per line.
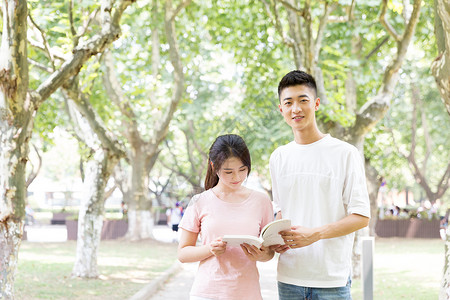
223 148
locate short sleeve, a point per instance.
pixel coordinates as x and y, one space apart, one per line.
191 220
274 178
355 195
268 212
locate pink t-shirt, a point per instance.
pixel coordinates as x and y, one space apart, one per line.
231 275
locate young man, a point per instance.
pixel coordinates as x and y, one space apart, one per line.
318 182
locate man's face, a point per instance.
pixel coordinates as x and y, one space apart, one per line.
298 105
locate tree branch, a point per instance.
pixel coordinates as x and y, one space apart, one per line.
377 47
56 54
196 145
440 67
298 11
443 184
385 23
115 93
178 170
84 106
45 42
40 66
97 44
276 22
428 141
406 12
178 75
72 27
34 173
322 24
177 10
108 193
372 111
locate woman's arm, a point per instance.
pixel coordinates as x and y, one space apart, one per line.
189 252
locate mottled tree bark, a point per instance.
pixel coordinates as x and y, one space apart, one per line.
90 218
16 123
106 153
444 292
441 65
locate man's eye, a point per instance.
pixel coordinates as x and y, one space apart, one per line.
227 172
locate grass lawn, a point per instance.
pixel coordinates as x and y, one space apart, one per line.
405 269
44 269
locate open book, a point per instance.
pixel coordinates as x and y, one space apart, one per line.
269 235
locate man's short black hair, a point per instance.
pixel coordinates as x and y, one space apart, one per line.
297 77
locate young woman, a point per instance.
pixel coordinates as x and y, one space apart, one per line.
225 207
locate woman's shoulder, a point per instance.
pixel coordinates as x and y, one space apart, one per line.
198 198
262 195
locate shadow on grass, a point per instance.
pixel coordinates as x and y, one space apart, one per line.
44 270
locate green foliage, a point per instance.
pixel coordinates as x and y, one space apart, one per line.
383 153
233 60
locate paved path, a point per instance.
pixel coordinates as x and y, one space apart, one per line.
177 287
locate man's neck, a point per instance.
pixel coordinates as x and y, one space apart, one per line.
304 137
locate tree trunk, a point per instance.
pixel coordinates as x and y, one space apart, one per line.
444 293
90 219
17 110
107 154
10 237
16 123
140 222
144 153
441 65
373 185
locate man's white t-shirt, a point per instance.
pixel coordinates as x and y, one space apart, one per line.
314 185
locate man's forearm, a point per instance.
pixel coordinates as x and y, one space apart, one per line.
347 225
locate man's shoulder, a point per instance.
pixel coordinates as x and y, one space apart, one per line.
340 144
281 149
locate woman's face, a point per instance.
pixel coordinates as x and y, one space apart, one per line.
232 173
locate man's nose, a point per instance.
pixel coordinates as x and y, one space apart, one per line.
296 107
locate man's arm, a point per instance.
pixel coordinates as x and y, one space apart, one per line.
300 236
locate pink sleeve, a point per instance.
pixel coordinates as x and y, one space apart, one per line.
268 215
190 220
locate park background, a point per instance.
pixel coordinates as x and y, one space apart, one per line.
118 101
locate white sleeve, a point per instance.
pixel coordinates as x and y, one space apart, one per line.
274 178
354 194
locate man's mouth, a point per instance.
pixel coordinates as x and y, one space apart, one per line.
297 118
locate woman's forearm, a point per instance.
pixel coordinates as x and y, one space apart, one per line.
193 253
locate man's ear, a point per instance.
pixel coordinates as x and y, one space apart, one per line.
316 107
279 107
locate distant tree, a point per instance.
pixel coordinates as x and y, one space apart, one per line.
144 127
419 153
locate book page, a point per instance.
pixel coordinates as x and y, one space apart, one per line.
270 232
237 240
